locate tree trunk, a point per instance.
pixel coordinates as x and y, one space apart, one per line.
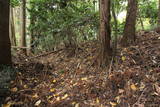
5 46
105 32
12 28
140 18
23 26
116 28
159 15
129 29
32 36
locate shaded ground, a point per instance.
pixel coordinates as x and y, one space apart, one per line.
58 80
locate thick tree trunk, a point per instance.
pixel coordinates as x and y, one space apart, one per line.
23 26
12 28
129 29
159 15
5 46
105 32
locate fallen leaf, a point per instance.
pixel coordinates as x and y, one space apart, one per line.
120 91
35 96
142 86
58 98
123 58
97 100
154 93
38 103
65 96
54 81
85 78
6 105
133 87
15 89
157 89
25 86
118 99
113 103
73 103
52 89
77 105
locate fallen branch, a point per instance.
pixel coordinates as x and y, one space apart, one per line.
140 97
20 47
44 54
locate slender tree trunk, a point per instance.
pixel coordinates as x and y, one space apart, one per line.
116 28
105 32
12 28
140 19
32 38
129 29
23 26
5 46
159 15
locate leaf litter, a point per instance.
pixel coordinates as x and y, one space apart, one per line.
56 80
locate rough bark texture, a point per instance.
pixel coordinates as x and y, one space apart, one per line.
23 26
105 38
5 46
129 29
159 15
12 28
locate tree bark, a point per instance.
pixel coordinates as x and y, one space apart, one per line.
159 15
105 32
129 29
12 28
23 26
5 46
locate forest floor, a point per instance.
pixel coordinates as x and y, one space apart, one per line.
57 79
